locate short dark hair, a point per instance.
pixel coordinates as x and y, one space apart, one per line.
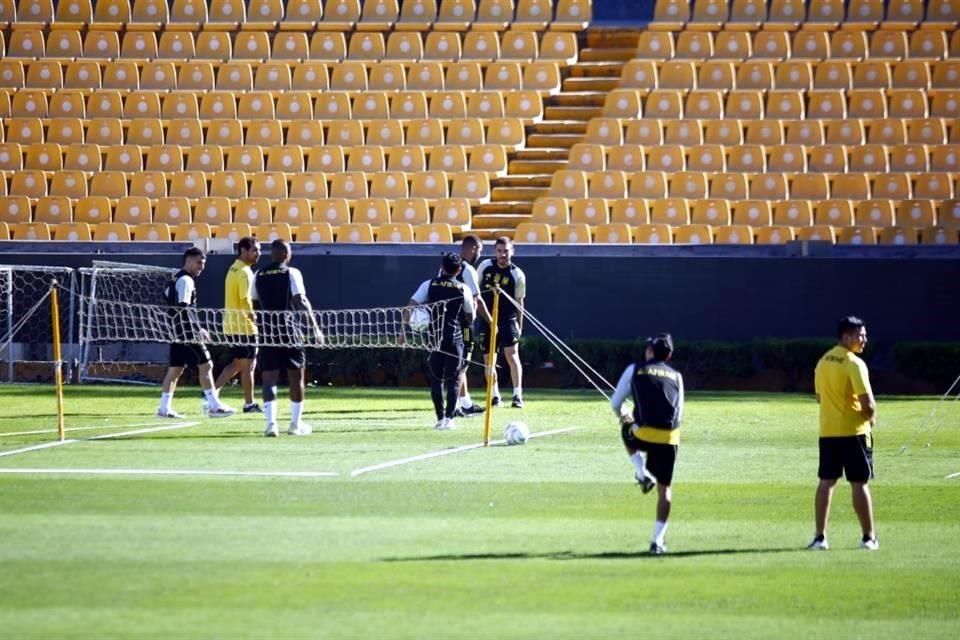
451 263
279 249
662 345
504 240
471 240
193 252
246 243
848 324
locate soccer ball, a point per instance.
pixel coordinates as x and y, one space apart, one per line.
419 319
516 433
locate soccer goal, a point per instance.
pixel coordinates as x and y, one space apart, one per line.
126 325
26 327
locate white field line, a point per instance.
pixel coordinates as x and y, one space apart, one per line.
57 443
952 476
176 472
39 432
447 452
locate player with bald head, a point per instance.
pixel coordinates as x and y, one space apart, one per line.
279 290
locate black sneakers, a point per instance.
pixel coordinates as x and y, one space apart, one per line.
647 482
473 410
657 549
517 402
253 407
496 402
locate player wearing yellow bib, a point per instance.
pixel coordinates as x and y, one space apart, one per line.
848 413
238 321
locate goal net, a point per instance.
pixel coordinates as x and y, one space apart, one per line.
126 325
26 329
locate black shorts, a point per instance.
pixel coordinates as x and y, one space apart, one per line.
188 355
850 455
446 363
244 352
277 358
661 458
508 334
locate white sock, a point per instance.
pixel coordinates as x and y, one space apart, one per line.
165 399
270 411
639 463
465 401
296 410
659 531
518 391
210 395
496 390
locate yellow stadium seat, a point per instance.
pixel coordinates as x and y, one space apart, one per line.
253 211
349 185
213 211
837 213
625 158
64 45
435 233
188 184
472 185
374 211
591 211
448 158
308 185
302 15
485 104
710 212
898 235
430 184
939 235
585 156
4 231
694 45
93 210
653 234
314 232
746 159
72 184
892 186
856 235
622 103
910 103
493 15
349 75
365 158
888 45
440 46
612 233
369 47
488 158
709 15
355 233
480 46
464 76
647 184
268 232
722 75
753 213
664 103
708 158
872 74
874 213
639 74
605 131
388 184
386 76
816 233
926 44
328 159
573 233
728 133
406 158
607 184
72 232
752 74
32 184
27 44
915 213
269 184
555 46
733 234
693 234
410 211
30 231
745 104
291 211
133 210
632 211
172 211
232 231
532 233
670 211
394 232
687 184
454 212
569 184
111 232
310 76
550 210
333 211
644 132
15 209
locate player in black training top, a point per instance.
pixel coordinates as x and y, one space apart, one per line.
285 318
511 280
446 363
188 350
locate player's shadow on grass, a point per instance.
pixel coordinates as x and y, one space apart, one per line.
604 555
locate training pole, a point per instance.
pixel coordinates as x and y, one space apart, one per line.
491 364
57 358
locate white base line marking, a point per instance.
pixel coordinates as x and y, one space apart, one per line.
952 476
40 432
176 472
47 445
446 452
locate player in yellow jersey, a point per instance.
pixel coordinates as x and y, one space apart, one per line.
848 413
239 326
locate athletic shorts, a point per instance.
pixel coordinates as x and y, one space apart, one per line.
277 358
244 352
851 456
661 458
447 363
508 334
188 355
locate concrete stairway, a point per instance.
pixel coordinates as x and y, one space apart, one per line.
584 88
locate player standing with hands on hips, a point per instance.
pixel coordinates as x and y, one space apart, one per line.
502 273
446 363
651 434
848 413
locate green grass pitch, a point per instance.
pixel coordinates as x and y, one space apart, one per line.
545 540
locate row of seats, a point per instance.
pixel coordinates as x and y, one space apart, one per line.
783 104
340 15
543 76
219 210
620 233
437 46
819 158
570 183
924 44
711 15
755 213
433 185
436 233
732 131
288 106
791 74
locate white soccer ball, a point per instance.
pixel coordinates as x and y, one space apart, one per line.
420 319
516 433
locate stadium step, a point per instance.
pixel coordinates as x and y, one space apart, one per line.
576 99
591 84
515 194
572 113
599 69
553 140
610 38
520 181
495 208
537 167
498 221
534 155
559 128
